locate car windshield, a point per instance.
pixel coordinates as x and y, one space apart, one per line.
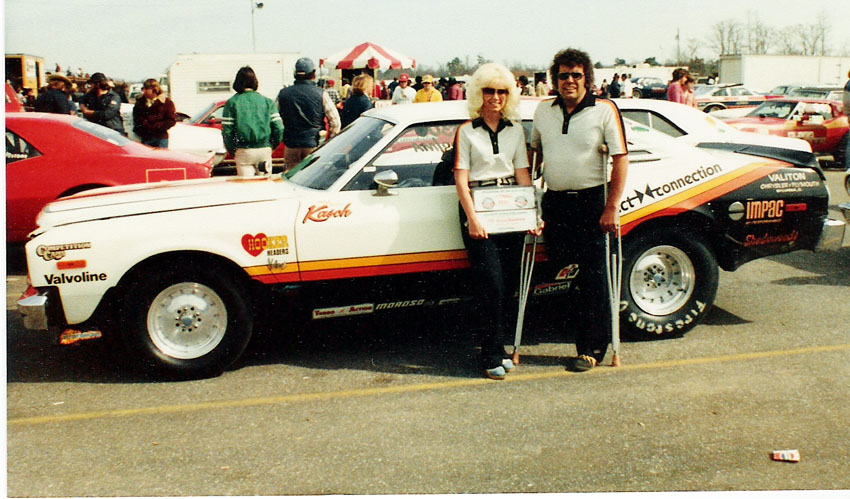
704 91
102 132
199 116
327 163
774 109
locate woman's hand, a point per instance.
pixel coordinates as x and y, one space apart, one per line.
476 228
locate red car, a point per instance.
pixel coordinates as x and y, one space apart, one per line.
820 122
716 97
51 155
13 105
211 117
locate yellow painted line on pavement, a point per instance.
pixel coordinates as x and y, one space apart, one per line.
386 390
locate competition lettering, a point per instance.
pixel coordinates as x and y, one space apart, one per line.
57 251
657 192
323 213
75 278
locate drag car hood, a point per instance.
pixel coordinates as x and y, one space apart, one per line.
755 120
138 199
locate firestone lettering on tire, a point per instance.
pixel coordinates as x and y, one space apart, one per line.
667 327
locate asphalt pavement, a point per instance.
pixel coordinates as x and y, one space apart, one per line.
361 407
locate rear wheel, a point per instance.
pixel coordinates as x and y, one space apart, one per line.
187 325
840 155
669 282
711 108
636 94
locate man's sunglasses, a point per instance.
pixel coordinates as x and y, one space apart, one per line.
576 76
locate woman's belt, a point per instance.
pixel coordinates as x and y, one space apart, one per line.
496 181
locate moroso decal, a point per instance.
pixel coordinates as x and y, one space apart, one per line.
57 251
753 240
400 304
656 192
323 213
327 313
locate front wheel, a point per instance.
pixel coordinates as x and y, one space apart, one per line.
669 282
186 324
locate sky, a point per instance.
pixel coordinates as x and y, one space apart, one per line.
138 39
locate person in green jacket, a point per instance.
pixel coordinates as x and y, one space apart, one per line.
251 126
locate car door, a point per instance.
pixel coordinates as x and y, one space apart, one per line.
360 231
25 169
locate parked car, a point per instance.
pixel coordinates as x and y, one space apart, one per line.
49 156
13 104
716 97
183 137
821 123
649 88
210 117
787 88
694 127
822 92
178 271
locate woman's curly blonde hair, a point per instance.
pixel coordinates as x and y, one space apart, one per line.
496 76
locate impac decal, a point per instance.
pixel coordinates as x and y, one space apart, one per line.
323 213
57 251
767 211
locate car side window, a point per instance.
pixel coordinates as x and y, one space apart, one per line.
17 148
215 115
740 91
641 117
664 125
413 155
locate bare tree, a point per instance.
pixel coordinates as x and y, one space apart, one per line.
759 35
726 37
692 45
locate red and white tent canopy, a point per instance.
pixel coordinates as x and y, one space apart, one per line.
369 55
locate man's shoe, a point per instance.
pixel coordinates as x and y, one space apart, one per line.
508 365
495 373
584 363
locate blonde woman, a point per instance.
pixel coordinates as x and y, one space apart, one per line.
359 100
490 150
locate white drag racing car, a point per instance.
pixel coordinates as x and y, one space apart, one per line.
180 270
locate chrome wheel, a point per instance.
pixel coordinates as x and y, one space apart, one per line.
662 280
187 320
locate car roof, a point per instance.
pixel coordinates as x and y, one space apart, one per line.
41 117
440 111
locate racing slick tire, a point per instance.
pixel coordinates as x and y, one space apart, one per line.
839 157
669 282
186 324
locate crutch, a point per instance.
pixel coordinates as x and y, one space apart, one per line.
526 268
613 270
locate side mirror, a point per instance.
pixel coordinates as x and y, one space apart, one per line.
385 180
211 120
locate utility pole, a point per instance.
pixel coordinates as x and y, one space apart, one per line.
678 49
254 5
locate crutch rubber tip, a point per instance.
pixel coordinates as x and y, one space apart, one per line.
515 358
615 362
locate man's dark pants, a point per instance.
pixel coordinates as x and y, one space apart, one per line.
573 235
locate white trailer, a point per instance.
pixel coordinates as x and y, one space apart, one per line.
764 72
197 80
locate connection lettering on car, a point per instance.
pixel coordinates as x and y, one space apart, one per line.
323 213
655 192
